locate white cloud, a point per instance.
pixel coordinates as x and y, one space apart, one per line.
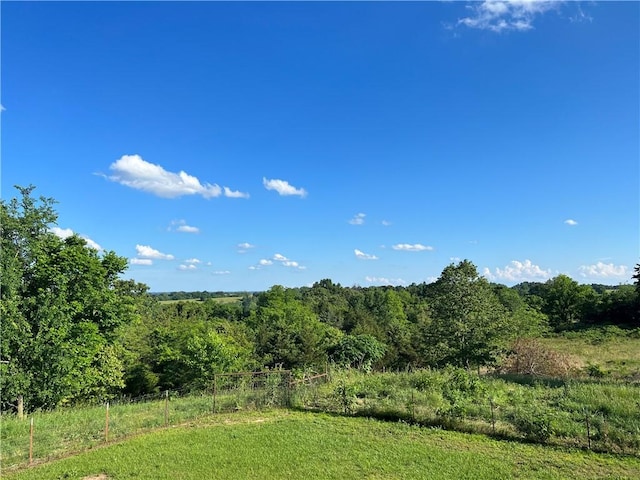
145 251
188 229
187 267
243 247
505 15
2 109
234 193
254 267
364 256
287 262
358 219
385 281
604 270
385 223
221 272
192 260
265 262
408 247
62 232
283 187
571 222
67 232
140 261
135 172
91 243
183 227
518 272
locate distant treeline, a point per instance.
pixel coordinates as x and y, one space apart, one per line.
204 295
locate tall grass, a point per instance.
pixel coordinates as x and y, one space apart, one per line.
589 414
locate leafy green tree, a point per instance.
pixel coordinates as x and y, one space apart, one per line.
62 303
525 320
288 333
469 325
566 302
357 351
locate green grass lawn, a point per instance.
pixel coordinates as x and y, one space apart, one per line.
295 445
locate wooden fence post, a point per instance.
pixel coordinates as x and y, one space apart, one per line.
31 442
166 408
20 407
106 425
215 391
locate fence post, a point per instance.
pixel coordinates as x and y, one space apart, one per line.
215 391
166 408
31 441
106 424
20 407
493 416
586 418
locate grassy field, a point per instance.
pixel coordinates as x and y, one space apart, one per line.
284 444
217 299
609 352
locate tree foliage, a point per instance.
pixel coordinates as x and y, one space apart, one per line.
62 303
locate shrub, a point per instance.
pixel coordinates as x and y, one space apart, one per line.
536 425
529 357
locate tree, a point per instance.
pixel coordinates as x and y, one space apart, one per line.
469 325
357 351
62 303
288 333
566 302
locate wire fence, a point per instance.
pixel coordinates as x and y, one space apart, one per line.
46 435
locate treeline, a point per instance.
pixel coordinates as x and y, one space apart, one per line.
73 330
204 295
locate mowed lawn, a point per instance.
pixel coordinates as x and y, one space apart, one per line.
296 445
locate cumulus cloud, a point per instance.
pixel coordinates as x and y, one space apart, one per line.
385 281
145 251
364 256
181 226
187 267
243 247
287 262
192 260
188 229
385 223
506 15
358 219
135 172
67 232
221 272
234 193
283 187
604 270
517 271
571 222
265 262
415 247
140 261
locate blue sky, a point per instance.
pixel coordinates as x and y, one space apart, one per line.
234 146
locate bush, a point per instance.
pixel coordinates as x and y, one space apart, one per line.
529 357
536 425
